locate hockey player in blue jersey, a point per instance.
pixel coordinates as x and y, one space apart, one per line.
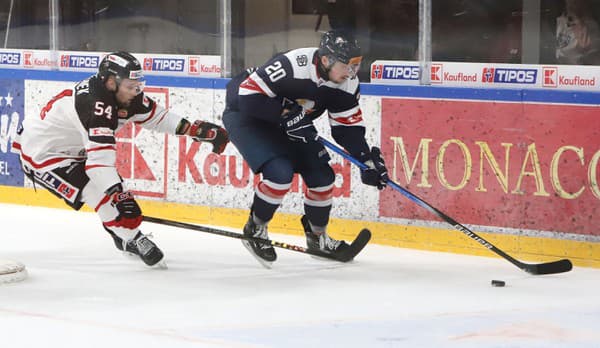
269 116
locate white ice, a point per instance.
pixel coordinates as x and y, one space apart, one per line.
82 292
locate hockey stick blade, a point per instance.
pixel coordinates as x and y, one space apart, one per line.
357 245
553 267
559 266
361 240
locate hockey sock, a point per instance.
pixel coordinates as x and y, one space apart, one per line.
267 198
317 206
318 217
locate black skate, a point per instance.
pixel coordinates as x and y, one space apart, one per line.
263 252
141 246
322 242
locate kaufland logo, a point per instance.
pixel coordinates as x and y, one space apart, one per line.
28 59
31 61
195 67
400 72
10 58
377 71
437 72
79 61
164 64
550 77
509 75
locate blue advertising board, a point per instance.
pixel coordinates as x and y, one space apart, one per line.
11 117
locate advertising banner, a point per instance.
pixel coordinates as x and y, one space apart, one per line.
503 164
530 166
142 155
486 75
11 117
152 64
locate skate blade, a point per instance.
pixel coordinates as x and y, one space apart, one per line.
162 264
320 258
266 264
130 256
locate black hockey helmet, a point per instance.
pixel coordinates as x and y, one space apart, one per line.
122 65
339 44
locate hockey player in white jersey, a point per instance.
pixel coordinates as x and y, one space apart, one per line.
70 147
269 116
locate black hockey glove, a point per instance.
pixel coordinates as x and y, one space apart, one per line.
130 214
298 126
210 133
377 174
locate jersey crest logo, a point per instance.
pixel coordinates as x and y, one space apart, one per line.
302 60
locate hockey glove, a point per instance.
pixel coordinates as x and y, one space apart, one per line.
377 174
298 126
210 133
130 214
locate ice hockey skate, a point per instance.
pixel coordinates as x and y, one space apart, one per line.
322 242
263 252
142 247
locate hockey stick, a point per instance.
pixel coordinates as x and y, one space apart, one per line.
559 266
357 245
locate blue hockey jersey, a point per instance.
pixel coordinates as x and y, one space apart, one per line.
293 77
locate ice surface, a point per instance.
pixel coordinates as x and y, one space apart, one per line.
82 292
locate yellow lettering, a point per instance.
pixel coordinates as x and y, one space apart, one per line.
532 156
554 171
440 164
593 175
486 152
409 170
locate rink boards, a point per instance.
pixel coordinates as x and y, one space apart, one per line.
520 166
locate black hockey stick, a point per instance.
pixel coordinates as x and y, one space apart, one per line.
559 266
357 245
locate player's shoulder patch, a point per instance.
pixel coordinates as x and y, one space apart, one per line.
301 61
301 56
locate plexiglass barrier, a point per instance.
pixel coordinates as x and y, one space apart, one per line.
247 33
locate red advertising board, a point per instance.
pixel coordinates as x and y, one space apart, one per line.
145 174
524 166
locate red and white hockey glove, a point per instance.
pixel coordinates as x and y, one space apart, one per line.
210 133
130 214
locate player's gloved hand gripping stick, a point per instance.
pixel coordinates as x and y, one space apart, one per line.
297 125
559 266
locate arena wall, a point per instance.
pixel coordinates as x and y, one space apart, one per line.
518 166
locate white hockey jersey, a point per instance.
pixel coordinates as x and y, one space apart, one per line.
79 124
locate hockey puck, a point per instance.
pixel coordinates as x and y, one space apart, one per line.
498 283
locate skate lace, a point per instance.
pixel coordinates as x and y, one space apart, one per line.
260 231
328 243
144 244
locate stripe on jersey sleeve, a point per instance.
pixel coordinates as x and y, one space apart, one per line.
254 84
352 117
